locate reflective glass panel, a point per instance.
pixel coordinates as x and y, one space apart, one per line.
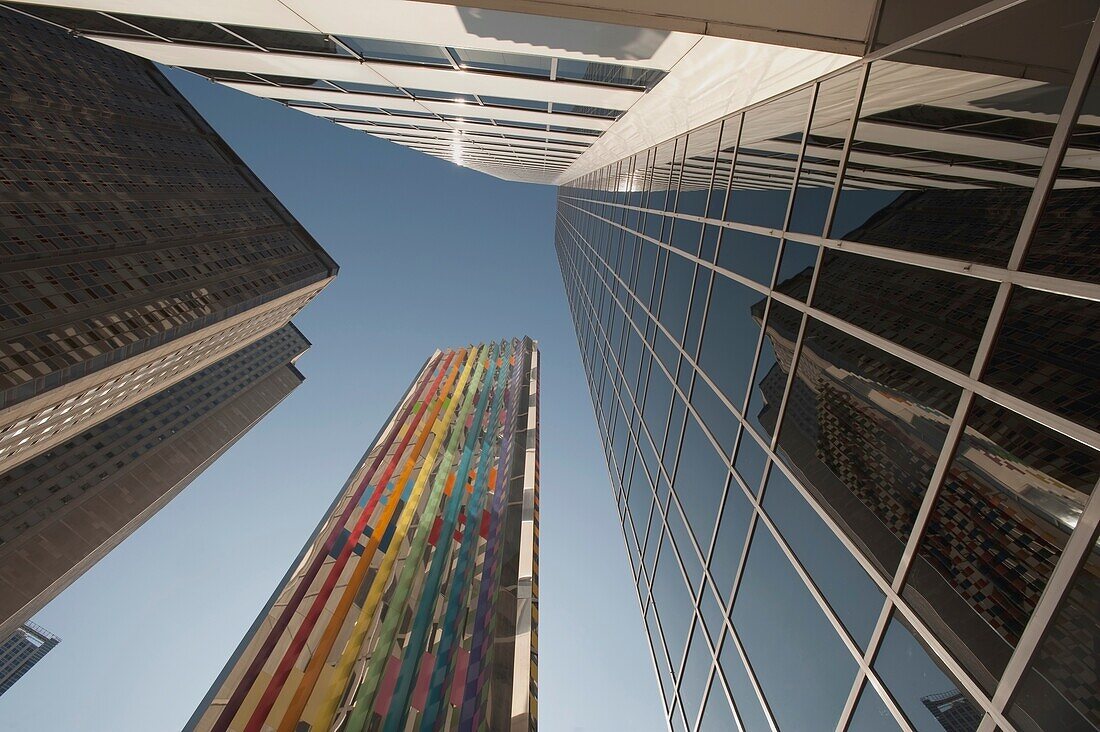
862 432
382 50
767 154
750 462
85 21
715 415
856 600
836 98
696 672
718 717
1064 243
1012 496
749 255
730 335
292 41
796 269
753 718
936 314
730 541
723 168
700 480
871 714
674 601
803 668
612 74
698 167
679 280
935 166
1047 353
1061 690
925 693
776 355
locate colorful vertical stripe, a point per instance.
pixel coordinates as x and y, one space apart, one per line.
414 605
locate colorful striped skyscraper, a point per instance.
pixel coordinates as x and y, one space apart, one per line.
414 605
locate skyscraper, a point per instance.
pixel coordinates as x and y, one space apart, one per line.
138 249
147 280
522 97
415 602
63 510
23 648
841 347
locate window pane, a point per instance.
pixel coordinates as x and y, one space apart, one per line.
729 337
803 668
836 98
730 541
702 145
796 269
766 158
749 255
696 671
748 706
846 587
776 354
1047 353
679 279
862 433
294 41
674 601
750 462
926 694
1062 689
380 50
613 74
184 30
934 313
85 21
718 717
1012 496
514 63
700 480
931 169
871 714
715 415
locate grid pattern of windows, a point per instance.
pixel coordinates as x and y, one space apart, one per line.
34 490
63 510
127 222
841 348
21 650
371 106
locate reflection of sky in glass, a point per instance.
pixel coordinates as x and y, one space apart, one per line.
871 714
717 717
729 338
910 675
804 669
847 588
744 697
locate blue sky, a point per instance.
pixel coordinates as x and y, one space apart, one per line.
431 255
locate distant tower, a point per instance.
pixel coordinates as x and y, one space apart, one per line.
415 602
28 645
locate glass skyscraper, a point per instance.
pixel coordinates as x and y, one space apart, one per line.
415 602
842 349
21 650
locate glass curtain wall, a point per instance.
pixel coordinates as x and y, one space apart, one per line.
842 350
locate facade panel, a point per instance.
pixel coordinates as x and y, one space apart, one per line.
137 247
415 603
63 510
841 350
21 650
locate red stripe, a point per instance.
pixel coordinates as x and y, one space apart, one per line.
282 672
249 677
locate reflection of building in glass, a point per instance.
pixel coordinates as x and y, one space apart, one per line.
953 711
24 647
923 387
147 280
415 603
